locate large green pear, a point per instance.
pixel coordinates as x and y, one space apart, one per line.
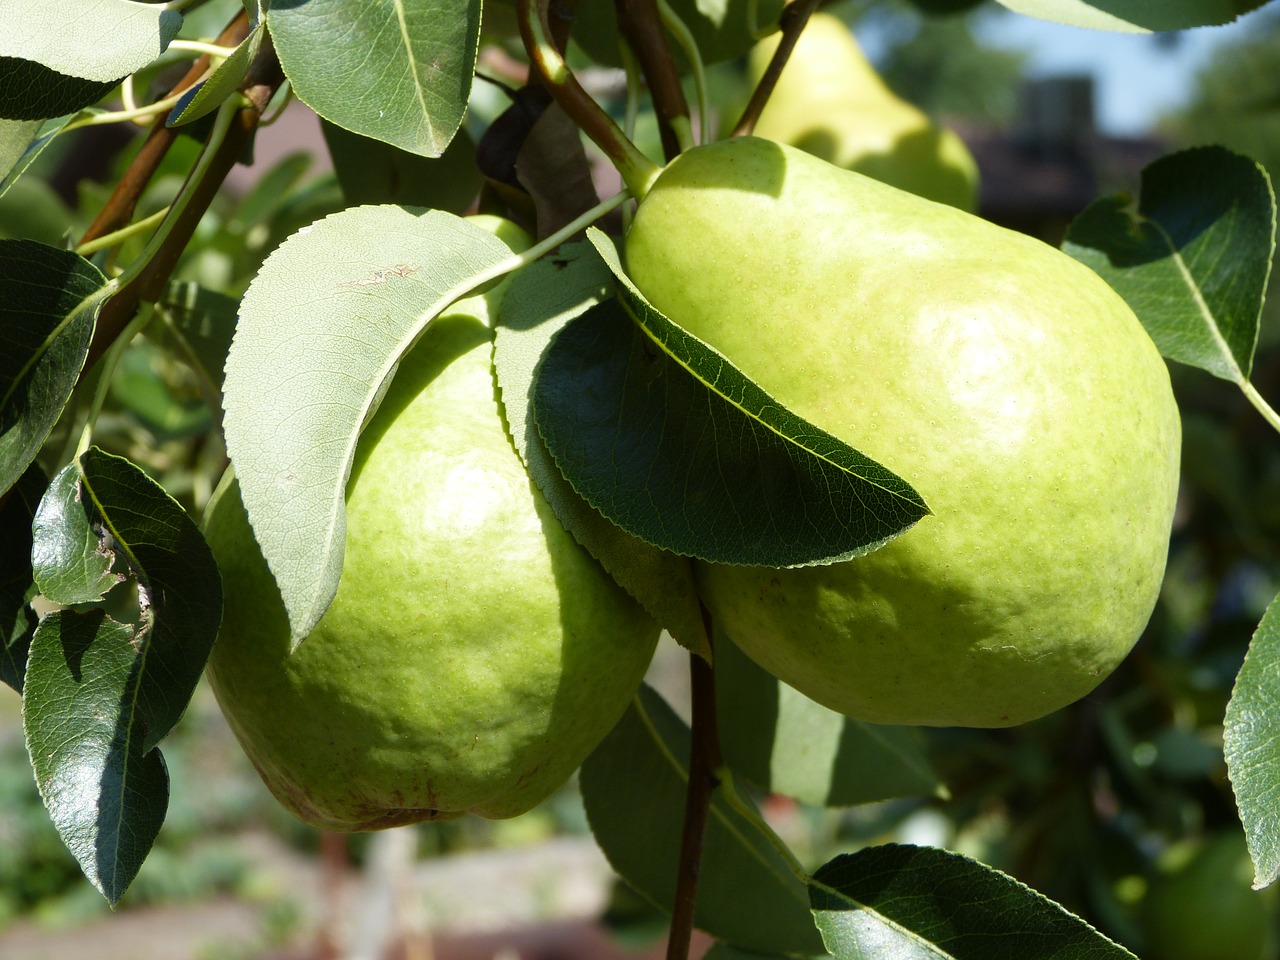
1005 381
474 654
829 101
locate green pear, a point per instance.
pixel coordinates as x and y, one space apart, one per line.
1002 379
829 101
1200 904
474 654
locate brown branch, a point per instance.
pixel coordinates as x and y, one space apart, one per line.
641 26
260 84
118 210
704 759
794 17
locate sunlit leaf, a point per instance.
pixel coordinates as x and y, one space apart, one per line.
21 141
1135 15
425 52
206 96
1252 745
102 40
321 329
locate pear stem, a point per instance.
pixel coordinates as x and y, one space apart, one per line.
684 36
704 760
638 171
792 22
1265 409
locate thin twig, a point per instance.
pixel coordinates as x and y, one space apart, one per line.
641 25
794 17
704 760
118 210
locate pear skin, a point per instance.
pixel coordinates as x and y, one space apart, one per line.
829 101
1005 381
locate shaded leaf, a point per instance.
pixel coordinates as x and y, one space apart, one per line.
542 298
17 583
1193 260
672 443
722 29
206 96
372 171
899 902
102 40
782 741
1251 740
723 951
32 91
203 322
104 791
425 52
49 299
633 787
321 329
1135 15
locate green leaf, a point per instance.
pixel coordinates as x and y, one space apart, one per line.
17 582
208 95
105 508
72 557
37 134
102 40
542 298
202 321
633 787
898 902
49 300
785 743
321 330
371 171
672 443
104 791
31 91
395 70
1251 740
723 951
1135 15
1193 260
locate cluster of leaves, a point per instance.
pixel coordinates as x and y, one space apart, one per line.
135 594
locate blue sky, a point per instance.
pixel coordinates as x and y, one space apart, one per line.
1136 77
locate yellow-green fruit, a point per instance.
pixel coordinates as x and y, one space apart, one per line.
829 101
1200 905
474 653
1002 379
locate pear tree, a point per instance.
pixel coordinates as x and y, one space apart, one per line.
717 347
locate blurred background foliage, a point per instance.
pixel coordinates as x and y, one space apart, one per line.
1102 806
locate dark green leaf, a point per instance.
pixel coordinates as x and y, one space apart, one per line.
396 70
17 583
898 902
330 313
371 171
73 556
672 443
1135 15
31 91
1193 260
633 787
542 298
203 322
722 951
1252 744
105 792
782 741
47 312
